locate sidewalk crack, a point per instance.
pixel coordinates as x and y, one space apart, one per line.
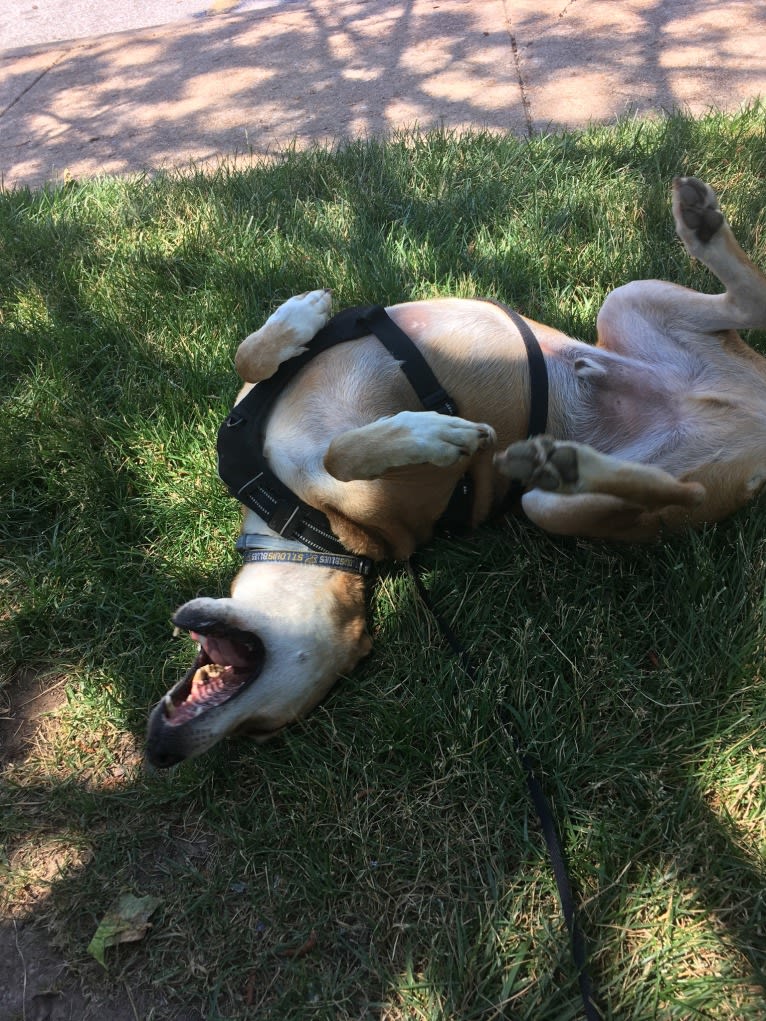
527 106
32 84
525 100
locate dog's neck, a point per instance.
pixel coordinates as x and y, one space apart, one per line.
257 543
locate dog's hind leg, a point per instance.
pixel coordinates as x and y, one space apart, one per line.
706 235
285 334
591 516
642 318
411 437
626 490
571 468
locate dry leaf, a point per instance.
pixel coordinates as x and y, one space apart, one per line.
125 922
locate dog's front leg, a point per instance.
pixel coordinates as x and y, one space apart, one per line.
285 334
411 437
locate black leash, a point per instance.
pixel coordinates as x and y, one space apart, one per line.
539 800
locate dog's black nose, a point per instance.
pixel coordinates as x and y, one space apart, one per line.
162 750
162 760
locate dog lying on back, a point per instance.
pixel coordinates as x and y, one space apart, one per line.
661 425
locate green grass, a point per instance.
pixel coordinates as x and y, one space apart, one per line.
394 822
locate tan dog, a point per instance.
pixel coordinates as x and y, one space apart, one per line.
662 424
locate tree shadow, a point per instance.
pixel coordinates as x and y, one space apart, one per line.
102 428
583 63
249 84
255 83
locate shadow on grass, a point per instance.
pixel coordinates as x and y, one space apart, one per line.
392 823
406 843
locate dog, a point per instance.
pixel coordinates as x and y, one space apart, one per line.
661 425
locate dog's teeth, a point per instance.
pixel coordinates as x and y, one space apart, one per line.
176 632
169 707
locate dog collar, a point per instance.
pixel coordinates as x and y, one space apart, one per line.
250 546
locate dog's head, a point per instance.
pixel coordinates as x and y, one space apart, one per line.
267 655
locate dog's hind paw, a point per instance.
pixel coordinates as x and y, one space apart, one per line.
541 463
695 207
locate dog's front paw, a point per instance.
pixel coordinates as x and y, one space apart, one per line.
407 438
443 439
541 463
285 334
300 318
697 214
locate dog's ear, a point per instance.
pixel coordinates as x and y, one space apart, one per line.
589 368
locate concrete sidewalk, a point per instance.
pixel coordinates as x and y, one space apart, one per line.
317 70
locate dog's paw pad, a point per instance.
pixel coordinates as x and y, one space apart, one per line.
564 460
697 208
520 461
540 463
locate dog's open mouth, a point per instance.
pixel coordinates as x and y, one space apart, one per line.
227 663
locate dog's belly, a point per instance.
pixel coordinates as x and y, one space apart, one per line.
622 406
634 419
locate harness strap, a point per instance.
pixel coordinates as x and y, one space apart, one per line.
414 366
243 466
538 373
432 396
538 389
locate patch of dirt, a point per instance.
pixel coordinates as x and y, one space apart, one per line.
36 984
23 702
40 860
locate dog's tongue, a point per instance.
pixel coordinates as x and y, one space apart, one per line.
211 686
220 650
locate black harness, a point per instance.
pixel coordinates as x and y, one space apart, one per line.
246 473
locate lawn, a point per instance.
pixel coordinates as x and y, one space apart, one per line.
381 859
